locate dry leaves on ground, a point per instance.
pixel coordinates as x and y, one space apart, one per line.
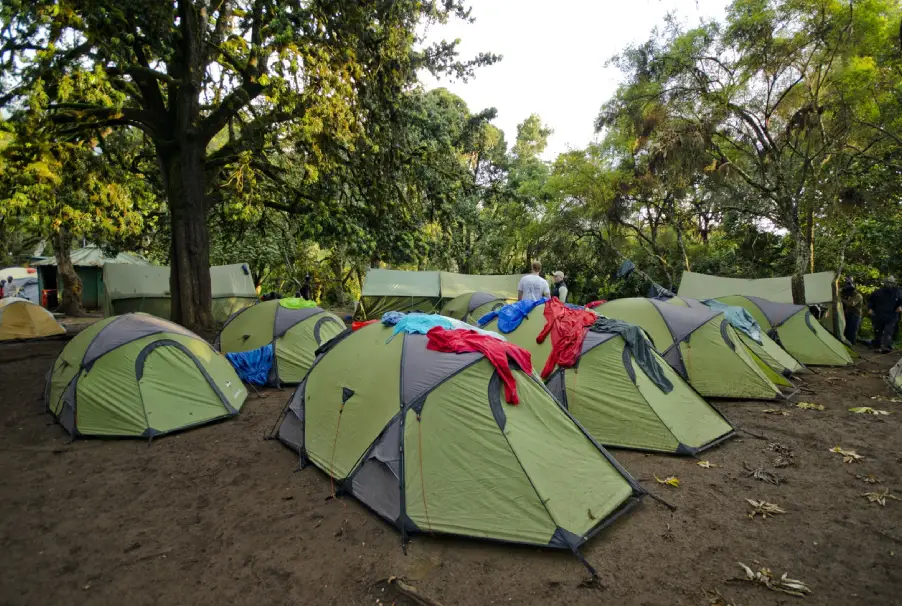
869 478
885 399
776 411
764 509
861 410
785 454
759 473
669 480
880 497
784 584
809 406
706 464
848 456
715 598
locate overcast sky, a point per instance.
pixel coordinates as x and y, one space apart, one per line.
554 55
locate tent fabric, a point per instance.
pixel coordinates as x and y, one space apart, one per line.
774 360
23 319
454 285
818 287
426 291
699 344
130 288
294 333
139 376
610 395
795 330
471 306
454 458
93 256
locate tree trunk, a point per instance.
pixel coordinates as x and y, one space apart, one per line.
67 277
809 237
801 266
189 276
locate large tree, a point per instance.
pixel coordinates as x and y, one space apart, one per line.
309 77
789 99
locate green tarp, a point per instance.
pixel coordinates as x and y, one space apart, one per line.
132 288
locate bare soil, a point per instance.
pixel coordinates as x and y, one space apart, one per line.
219 515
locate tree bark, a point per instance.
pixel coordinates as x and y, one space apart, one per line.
809 237
801 266
70 293
189 276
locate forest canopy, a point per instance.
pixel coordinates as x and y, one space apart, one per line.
296 136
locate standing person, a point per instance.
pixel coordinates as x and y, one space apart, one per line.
306 291
559 288
2 284
853 305
884 307
533 287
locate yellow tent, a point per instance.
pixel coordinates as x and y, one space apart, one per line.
22 319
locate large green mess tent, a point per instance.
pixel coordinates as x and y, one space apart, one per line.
425 440
295 334
795 329
471 306
426 291
701 345
616 401
819 290
145 288
136 375
769 351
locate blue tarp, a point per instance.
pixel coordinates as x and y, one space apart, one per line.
738 317
253 366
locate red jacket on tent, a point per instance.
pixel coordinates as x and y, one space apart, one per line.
568 328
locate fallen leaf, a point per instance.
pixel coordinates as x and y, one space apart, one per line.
885 399
848 456
759 473
776 411
784 584
706 464
809 406
764 509
590 514
880 497
860 410
669 480
869 478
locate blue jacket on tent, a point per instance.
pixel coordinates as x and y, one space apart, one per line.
253 366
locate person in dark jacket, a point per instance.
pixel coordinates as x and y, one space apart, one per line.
306 291
853 306
884 307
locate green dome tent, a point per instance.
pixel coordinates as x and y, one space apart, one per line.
700 344
774 357
425 440
295 333
795 329
471 306
613 398
136 375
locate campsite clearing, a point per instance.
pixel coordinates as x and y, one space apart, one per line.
218 515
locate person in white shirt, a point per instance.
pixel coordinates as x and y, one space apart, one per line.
560 287
533 287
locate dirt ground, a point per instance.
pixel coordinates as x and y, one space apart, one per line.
218 515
